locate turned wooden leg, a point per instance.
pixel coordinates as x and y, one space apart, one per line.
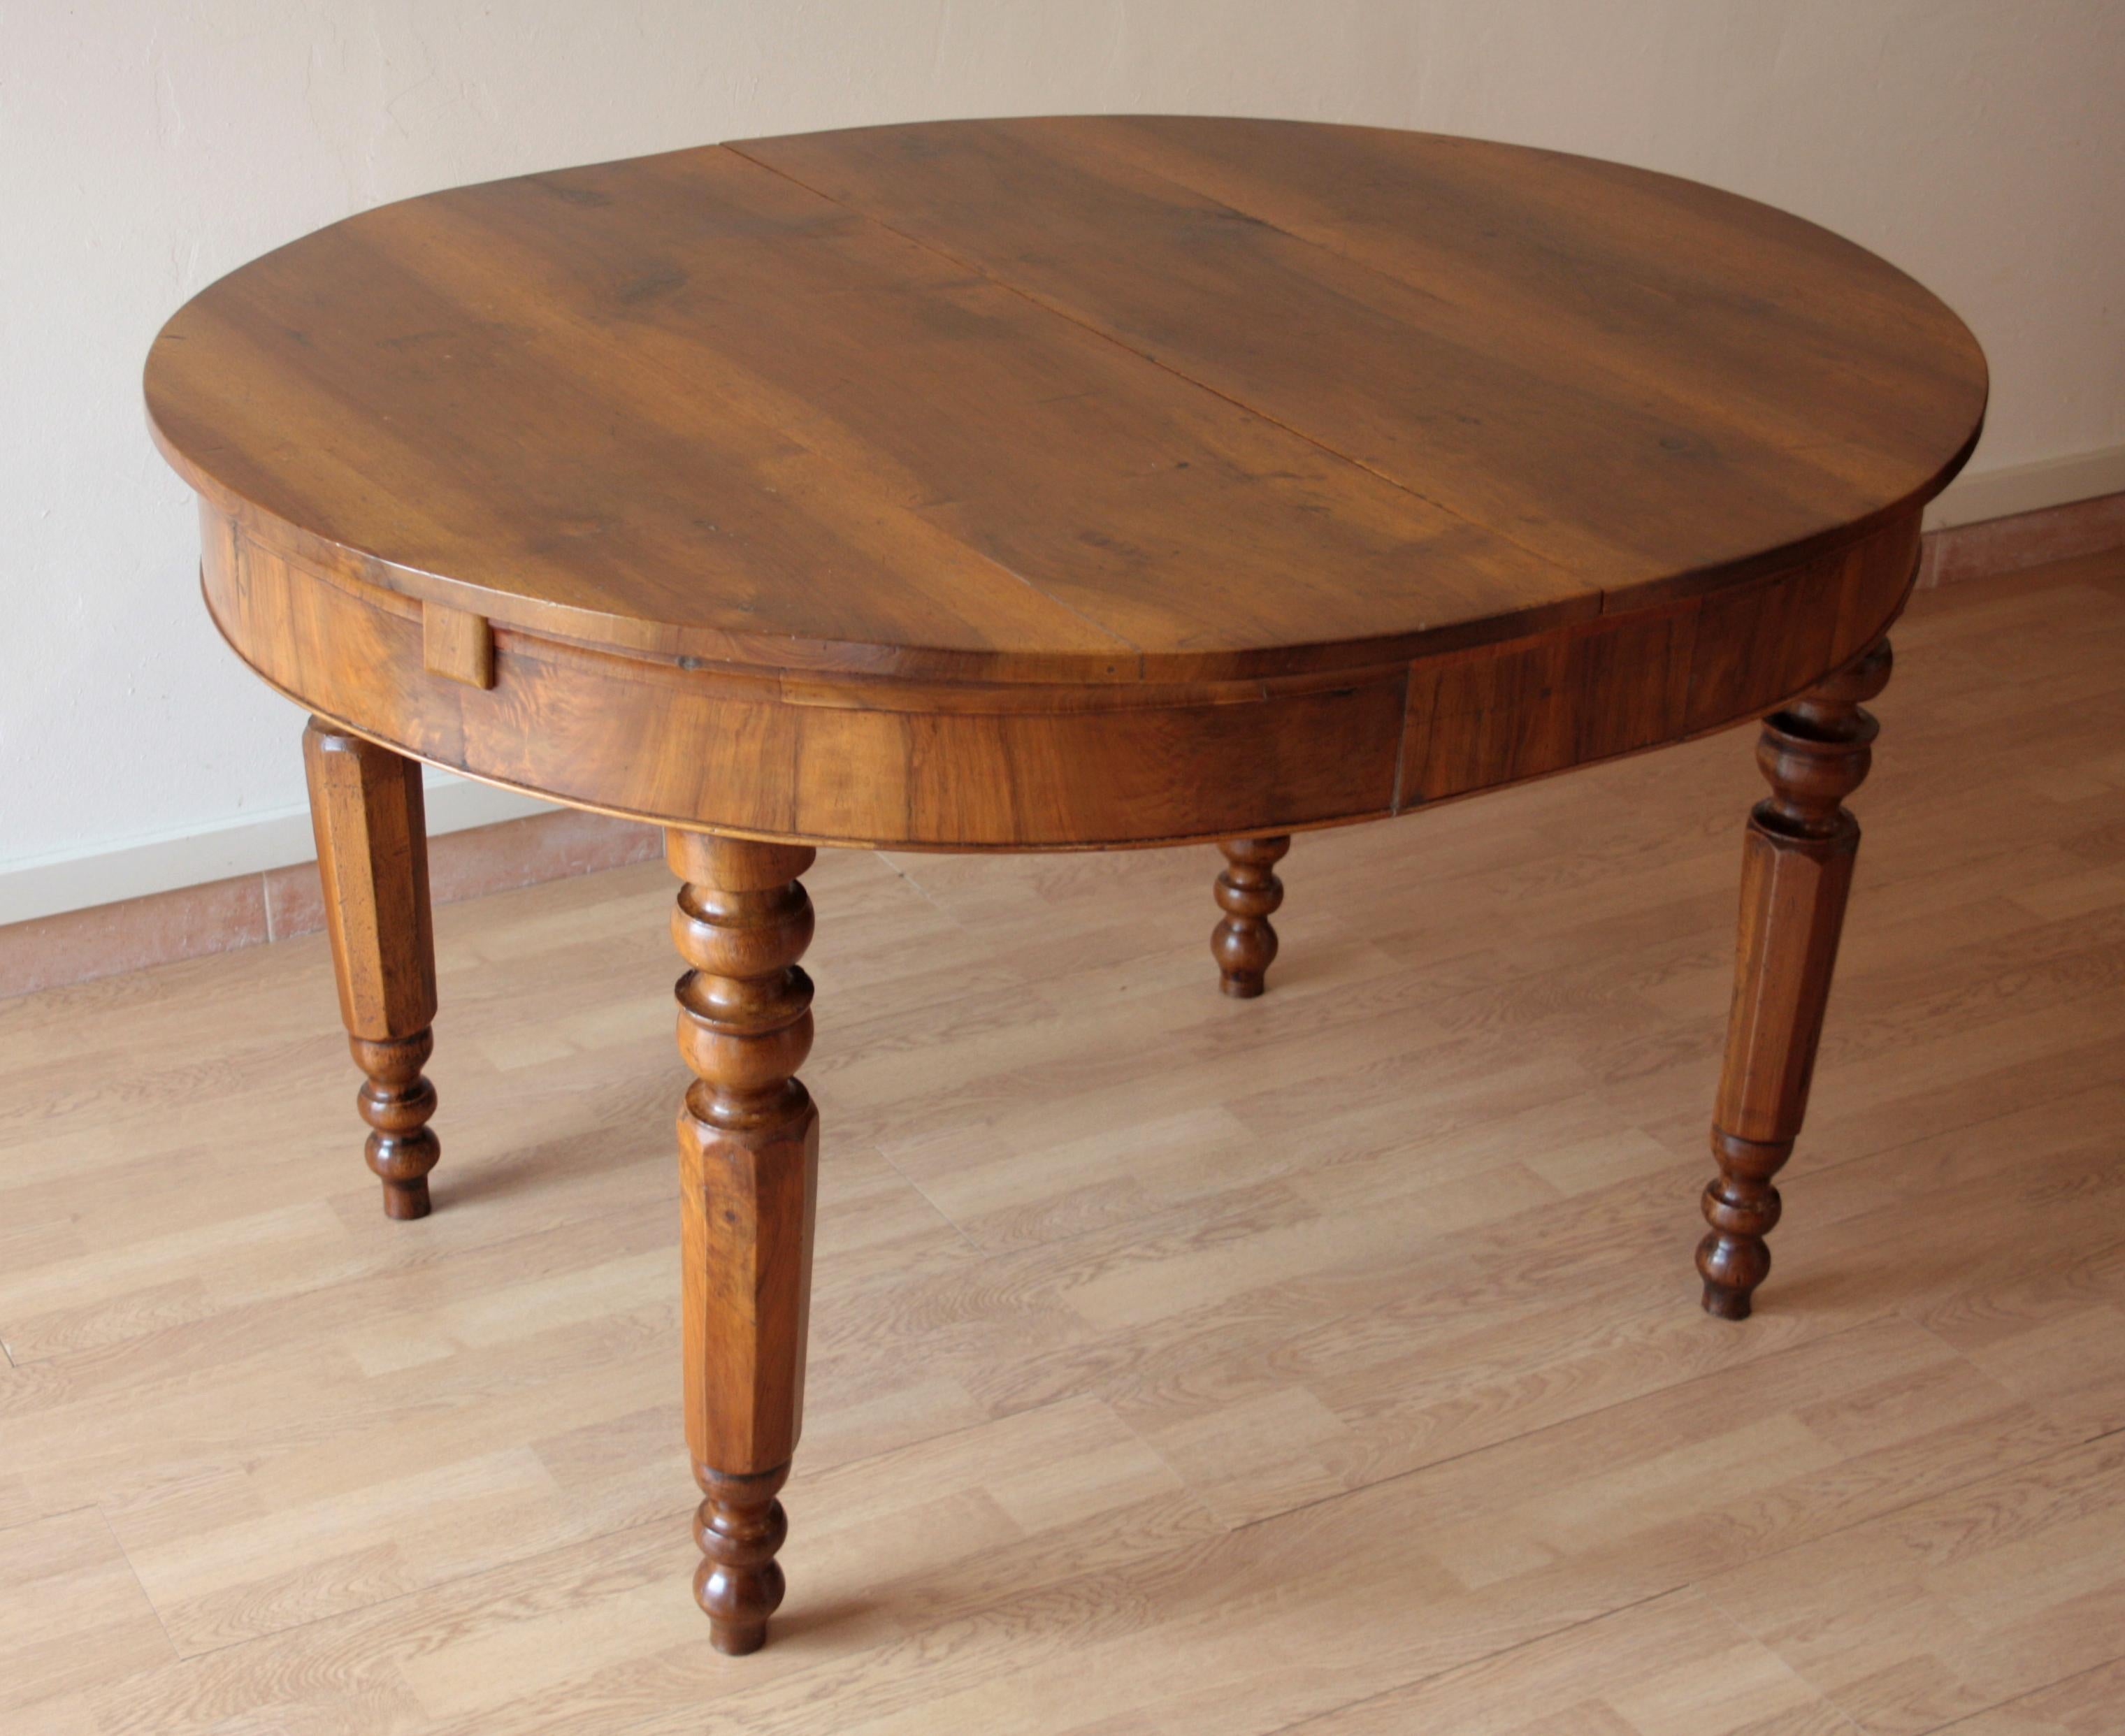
373 854
1796 870
1248 891
748 1166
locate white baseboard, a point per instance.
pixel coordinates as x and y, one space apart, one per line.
78 880
1980 495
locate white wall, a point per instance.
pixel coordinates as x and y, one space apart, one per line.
148 146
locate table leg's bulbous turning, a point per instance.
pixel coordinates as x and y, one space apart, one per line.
1796 873
748 1162
365 808
396 1099
739 1527
1248 891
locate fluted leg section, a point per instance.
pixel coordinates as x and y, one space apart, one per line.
1796 873
1248 891
367 811
748 1163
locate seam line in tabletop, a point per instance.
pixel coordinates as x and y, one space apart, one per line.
1082 324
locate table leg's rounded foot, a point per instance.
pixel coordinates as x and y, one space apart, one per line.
396 1102
1244 942
1742 1208
736 1639
739 1583
1726 1294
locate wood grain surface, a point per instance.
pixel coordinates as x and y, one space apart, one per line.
1146 1398
1011 484
1148 398
1023 765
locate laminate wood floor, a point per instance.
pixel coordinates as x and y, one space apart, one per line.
1326 1363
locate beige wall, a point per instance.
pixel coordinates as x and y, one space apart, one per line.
147 146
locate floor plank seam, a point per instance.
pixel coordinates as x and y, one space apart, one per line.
2015 1699
980 1254
147 1597
57 1512
1873 1517
1578 1418
361 1611
1851 1720
1414 1683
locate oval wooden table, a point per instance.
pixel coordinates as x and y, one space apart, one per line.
1048 484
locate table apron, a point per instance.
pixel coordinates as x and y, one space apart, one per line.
1019 767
